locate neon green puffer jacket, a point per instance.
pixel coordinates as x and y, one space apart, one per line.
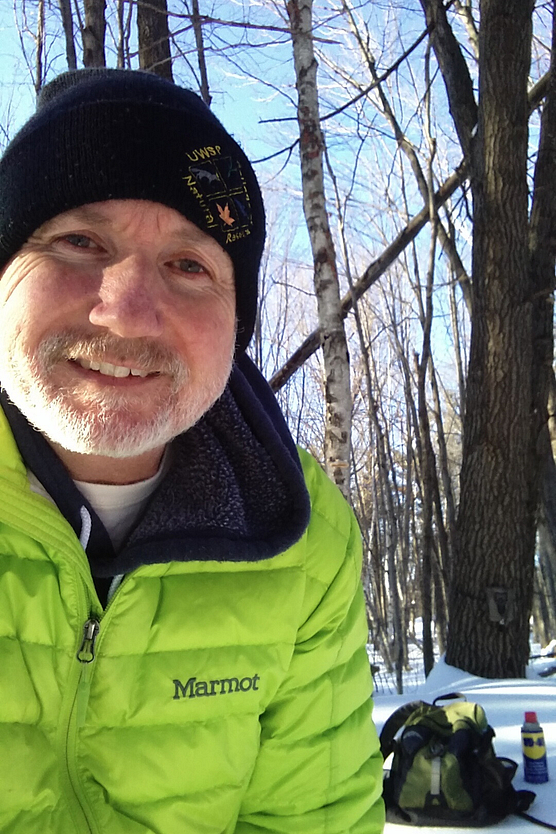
209 705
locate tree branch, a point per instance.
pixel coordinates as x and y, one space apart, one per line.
370 276
455 72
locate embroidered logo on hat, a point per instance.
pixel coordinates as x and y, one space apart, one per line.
220 189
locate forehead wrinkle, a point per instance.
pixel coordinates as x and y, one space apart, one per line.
186 232
86 213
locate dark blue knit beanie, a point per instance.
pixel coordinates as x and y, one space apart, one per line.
107 134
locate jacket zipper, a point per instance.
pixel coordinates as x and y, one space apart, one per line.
80 683
84 658
86 652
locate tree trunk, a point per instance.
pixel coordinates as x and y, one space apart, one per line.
492 584
542 248
93 33
427 476
546 581
547 515
67 23
334 345
154 37
455 72
198 29
39 69
446 530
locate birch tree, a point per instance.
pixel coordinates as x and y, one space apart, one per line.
331 327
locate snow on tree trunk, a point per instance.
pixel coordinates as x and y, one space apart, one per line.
333 338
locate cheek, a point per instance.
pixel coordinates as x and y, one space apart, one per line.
209 328
41 305
24 317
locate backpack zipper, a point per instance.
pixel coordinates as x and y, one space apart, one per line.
436 764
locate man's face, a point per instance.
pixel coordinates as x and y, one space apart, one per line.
117 327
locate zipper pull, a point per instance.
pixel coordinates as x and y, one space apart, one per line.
86 653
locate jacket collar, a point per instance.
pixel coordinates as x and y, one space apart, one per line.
234 490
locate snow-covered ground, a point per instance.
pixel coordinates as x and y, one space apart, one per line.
505 702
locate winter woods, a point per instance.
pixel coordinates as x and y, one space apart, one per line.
407 155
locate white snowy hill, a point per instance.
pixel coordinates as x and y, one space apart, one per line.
505 702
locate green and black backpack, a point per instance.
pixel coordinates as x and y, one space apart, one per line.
444 769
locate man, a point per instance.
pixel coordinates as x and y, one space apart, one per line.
181 619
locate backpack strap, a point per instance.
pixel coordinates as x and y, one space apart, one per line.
535 820
394 723
450 696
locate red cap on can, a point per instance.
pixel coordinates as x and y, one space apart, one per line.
531 718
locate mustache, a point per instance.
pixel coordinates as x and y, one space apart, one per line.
144 353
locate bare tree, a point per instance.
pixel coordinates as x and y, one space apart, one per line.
198 29
332 334
93 33
154 37
492 581
40 40
67 23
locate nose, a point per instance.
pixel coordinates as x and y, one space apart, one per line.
128 299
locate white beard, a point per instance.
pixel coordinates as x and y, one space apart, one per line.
103 423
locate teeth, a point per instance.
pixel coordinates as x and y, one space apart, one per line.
113 370
107 369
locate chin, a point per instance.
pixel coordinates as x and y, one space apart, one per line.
113 438
117 433
86 424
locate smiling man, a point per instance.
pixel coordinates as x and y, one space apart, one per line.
182 628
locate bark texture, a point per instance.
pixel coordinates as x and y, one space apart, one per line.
154 38
93 33
455 72
334 345
492 581
67 23
199 42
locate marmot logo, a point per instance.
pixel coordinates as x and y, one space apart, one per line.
200 689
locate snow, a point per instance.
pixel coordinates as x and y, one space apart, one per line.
505 702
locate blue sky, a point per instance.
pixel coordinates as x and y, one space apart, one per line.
16 92
236 100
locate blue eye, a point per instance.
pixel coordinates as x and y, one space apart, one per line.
80 241
188 265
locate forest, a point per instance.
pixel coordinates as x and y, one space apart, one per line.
407 155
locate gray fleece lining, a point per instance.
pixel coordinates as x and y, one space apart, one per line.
217 484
